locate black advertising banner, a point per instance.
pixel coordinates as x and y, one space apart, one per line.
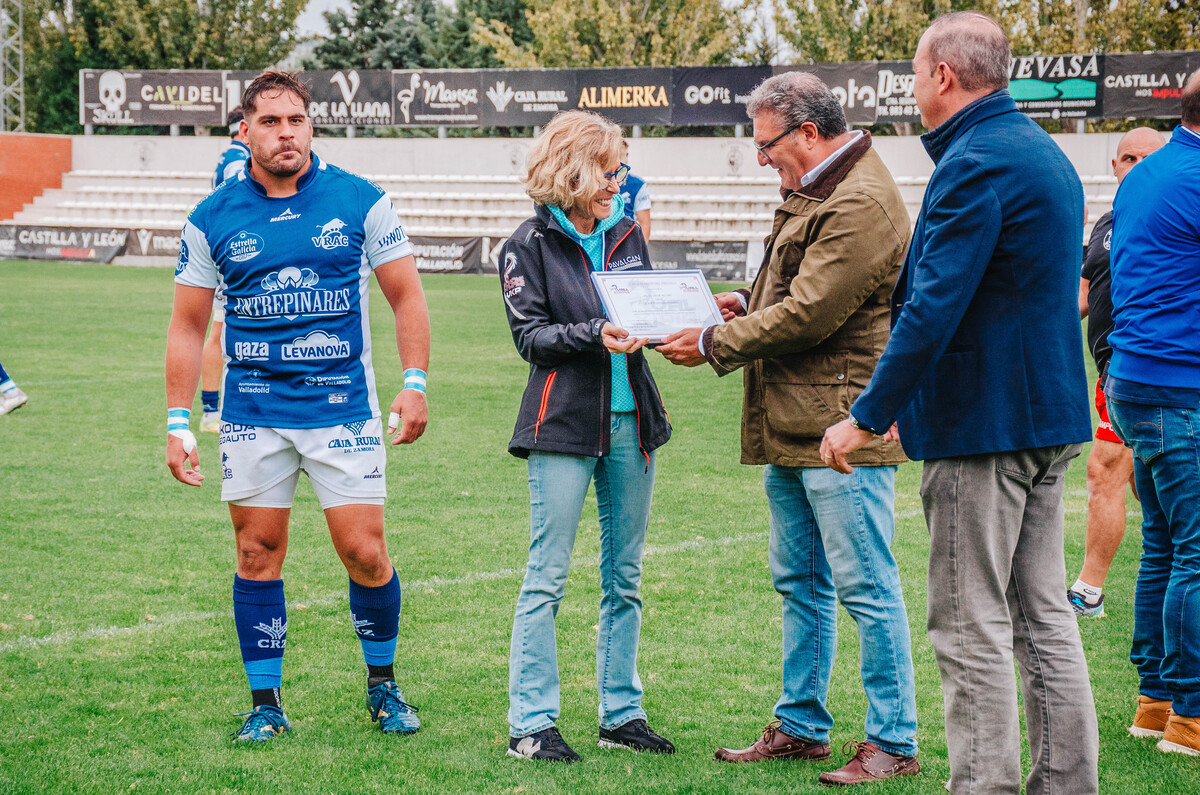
437 96
894 93
627 95
352 97
1058 86
714 94
1146 85
448 254
152 243
79 244
526 97
127 98
721 261
8 241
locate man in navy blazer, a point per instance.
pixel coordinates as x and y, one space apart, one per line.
983 379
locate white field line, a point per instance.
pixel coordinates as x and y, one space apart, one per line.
181 619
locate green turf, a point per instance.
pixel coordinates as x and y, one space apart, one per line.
118 659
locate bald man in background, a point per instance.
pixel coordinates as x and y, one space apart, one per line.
1110 462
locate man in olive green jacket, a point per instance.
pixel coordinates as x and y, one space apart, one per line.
808 333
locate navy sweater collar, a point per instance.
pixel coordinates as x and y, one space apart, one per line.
939 139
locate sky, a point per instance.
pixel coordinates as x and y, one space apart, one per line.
311 23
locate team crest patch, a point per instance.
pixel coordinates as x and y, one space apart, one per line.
331 236
183 258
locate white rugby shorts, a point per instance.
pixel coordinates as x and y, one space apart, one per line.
260 466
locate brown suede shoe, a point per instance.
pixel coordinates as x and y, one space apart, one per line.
1151 717
775 744
869 763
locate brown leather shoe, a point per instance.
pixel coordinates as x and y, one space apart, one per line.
869 762
775 744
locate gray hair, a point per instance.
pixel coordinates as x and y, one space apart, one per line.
796 98
974 46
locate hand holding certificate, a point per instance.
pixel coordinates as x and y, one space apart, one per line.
656 304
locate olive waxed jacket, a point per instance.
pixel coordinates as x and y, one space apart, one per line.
817 315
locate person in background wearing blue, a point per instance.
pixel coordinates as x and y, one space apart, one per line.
635 195
983 377
1153 392
11 396
591 412
233 162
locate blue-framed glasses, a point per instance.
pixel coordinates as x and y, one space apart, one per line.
762 150
619 175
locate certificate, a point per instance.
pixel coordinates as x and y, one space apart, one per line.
656 304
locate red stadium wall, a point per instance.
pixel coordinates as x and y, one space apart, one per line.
30 164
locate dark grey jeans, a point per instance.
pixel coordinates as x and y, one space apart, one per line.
997 590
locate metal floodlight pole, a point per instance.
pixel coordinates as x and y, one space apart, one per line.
12 67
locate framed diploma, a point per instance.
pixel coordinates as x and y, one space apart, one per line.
656 304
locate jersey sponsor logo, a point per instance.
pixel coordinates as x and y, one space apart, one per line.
252 385
231 432
393 237
327 380
286 215
290 294
226 472
375 475
331 236
355 427
276 634
625 264
245 246
339 397
315 345
1108 240
183 258
510 262
361 627
361 443
513 285
251 351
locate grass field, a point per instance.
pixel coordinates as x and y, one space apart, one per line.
119 669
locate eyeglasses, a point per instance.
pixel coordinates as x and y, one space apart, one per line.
762 150
619 175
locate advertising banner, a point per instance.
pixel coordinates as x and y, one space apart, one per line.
1146 85
1058 86
852 83
721 261
353 97
448 254
894 93
78 244
150 97
626 96
714 94
152 243
526 97
437 96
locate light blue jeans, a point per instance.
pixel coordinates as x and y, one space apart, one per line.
831 537
558 484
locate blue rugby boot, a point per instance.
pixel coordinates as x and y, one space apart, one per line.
388 707
262 724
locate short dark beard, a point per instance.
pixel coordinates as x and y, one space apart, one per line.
287 171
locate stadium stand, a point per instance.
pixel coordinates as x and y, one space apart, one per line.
702 189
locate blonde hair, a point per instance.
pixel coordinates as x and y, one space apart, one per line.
565 167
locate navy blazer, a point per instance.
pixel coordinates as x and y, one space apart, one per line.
986 353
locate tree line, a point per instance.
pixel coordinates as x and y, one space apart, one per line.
63 36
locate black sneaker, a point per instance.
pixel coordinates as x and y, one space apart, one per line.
547 744
635 736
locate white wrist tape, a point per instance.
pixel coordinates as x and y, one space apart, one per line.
177 426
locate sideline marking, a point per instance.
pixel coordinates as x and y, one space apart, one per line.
171 620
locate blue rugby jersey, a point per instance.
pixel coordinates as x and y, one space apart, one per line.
233 161
294 273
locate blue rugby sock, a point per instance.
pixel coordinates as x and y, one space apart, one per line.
260 613
211 400
375 613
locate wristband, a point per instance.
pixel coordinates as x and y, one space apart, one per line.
415 378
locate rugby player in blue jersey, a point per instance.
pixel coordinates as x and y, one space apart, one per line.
233 162
291 244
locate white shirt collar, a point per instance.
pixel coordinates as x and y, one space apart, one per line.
1189 129
808 178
